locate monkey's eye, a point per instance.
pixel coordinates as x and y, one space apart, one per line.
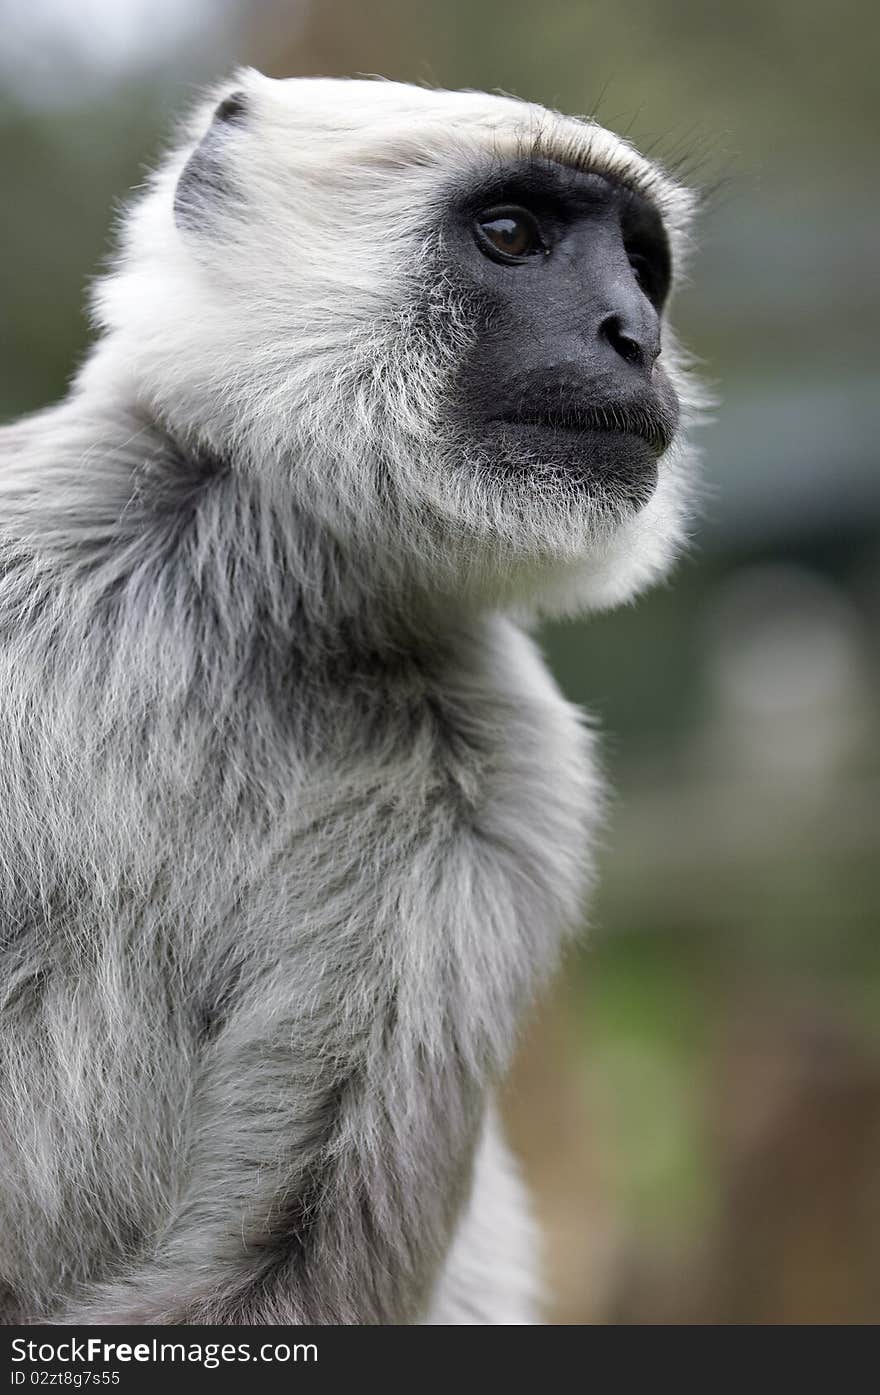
641 269
651 278
509 235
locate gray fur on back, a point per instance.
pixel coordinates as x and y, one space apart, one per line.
294 819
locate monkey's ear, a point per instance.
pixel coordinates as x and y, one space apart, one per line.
205 181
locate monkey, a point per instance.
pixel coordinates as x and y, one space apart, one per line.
296 823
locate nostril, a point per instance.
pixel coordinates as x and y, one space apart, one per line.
630 349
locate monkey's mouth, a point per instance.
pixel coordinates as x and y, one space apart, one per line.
653 424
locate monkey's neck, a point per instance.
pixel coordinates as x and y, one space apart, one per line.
181 622
172 543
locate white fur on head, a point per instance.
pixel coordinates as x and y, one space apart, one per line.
303 330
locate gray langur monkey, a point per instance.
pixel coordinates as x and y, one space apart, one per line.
294 819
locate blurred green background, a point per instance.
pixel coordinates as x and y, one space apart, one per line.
698 1107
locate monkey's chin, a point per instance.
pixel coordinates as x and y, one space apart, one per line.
617 469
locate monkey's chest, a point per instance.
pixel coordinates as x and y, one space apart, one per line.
482 883
534 816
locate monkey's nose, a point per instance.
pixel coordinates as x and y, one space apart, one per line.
636 339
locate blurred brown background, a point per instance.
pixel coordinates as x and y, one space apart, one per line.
699 1106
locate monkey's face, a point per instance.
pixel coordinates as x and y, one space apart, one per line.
433 319
560 413
563 388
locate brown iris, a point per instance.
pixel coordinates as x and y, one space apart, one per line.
509 234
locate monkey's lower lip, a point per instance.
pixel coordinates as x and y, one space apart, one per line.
655 433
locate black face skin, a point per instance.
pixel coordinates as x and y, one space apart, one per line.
567 273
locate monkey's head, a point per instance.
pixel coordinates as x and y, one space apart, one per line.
435 321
